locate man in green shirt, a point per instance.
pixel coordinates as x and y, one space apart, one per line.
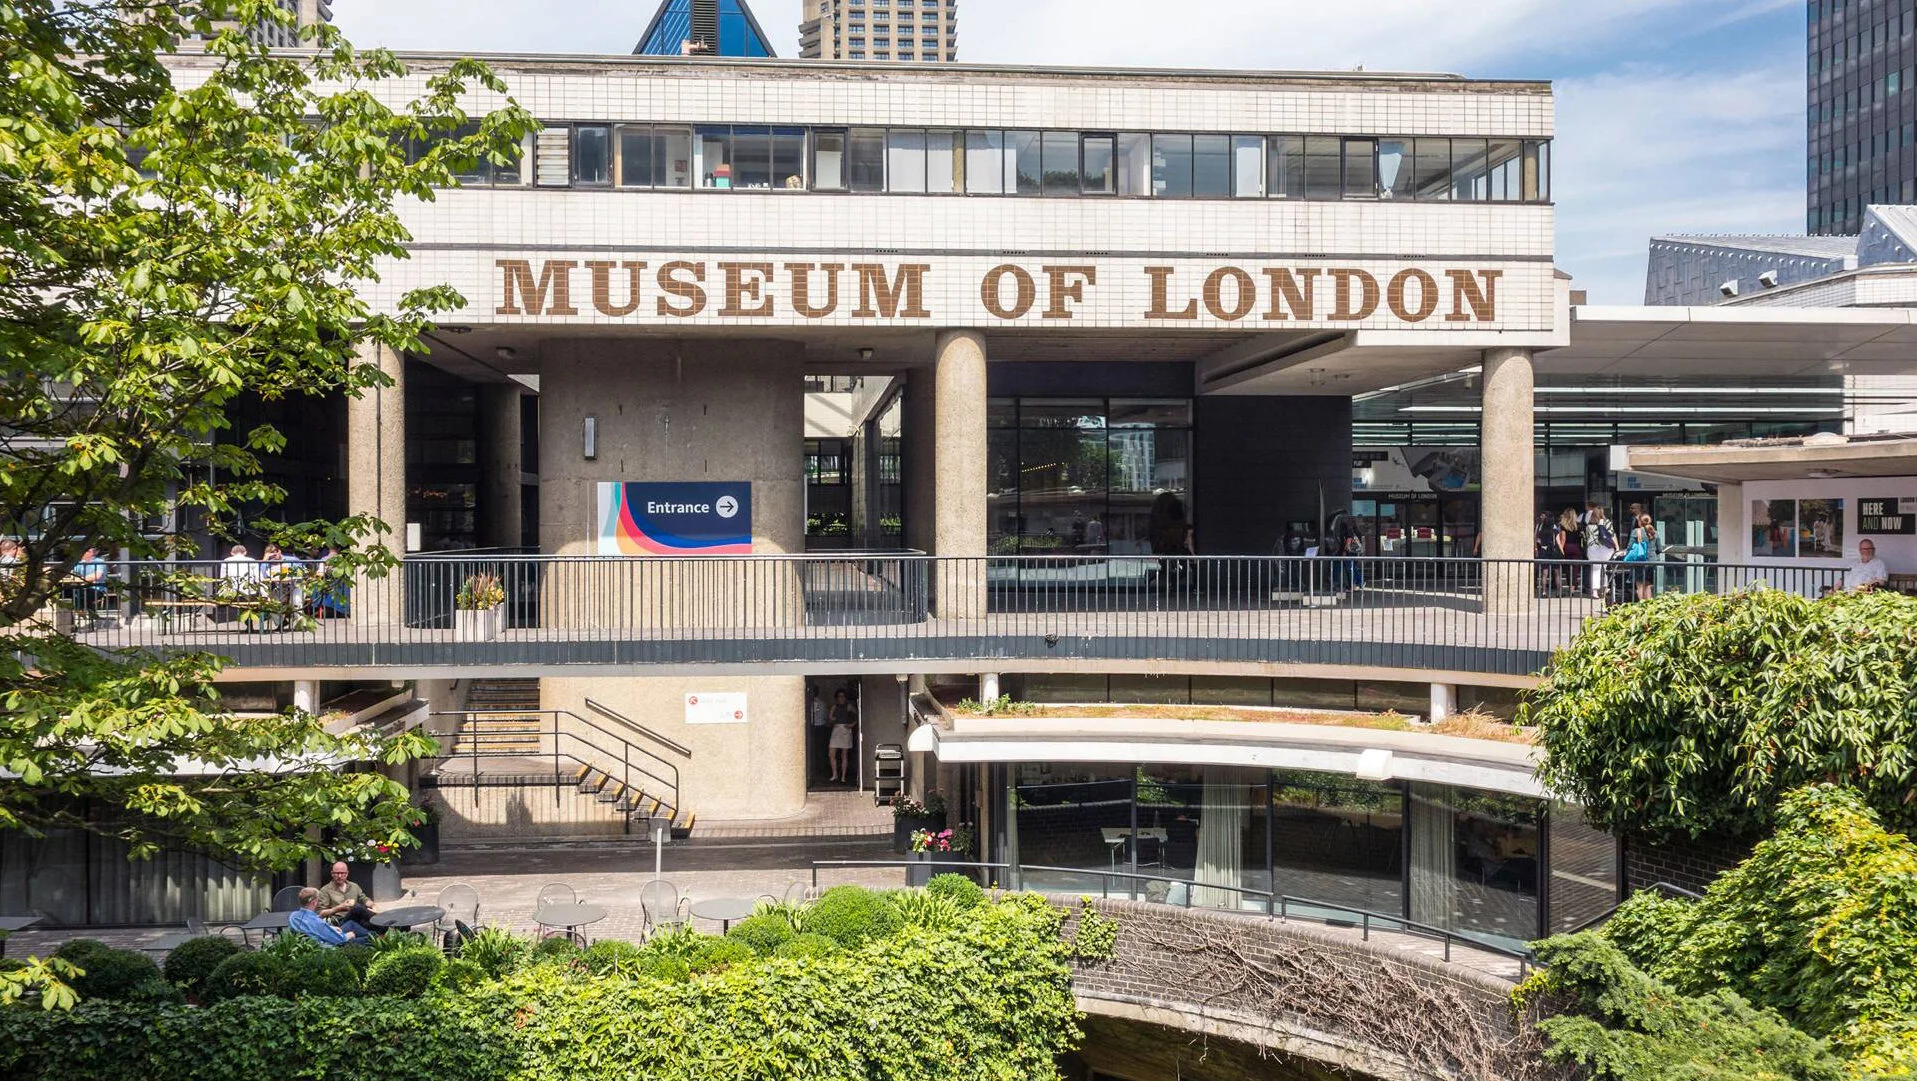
341 900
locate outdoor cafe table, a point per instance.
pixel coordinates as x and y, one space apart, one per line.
724 909
569 916
10 924
409 917
265 922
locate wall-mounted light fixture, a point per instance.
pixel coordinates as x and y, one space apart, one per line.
589 444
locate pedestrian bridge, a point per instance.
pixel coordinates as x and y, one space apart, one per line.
1482 622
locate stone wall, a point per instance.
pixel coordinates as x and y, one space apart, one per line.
1309 993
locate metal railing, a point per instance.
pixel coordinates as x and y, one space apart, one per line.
1275 905
1677 893
638 770
881 609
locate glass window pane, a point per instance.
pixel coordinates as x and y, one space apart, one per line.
1361 168
867 168
1171 166
1211 166
752 158
1394 168
944 165
1474 862
1134 164
1287 166
828 161
513 172
1467 170
1338 838
1023 149
1248 166
1061 485
788 158
1584 870
591 155
1324 171
905 161
1503 167
1544 166
715 157
635 156
1099 154
1150 413
672 161
1001 490
1431 169
985 162
1087 413
1060 163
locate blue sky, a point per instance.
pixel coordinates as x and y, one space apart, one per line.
1673 115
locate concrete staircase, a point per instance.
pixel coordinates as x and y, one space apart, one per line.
509 723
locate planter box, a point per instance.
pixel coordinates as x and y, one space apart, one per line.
381 881
481 626
926 864
903 828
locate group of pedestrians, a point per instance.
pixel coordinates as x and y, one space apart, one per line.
1580 551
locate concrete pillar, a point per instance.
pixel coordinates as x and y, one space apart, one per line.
306 695
988 687
920 468
1444 702
501 516
376 476
1510 479
1733 525
958 507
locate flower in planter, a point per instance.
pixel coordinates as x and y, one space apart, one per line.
480 593
904 806
927 841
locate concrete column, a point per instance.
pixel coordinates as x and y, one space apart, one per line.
1510 478
306 695
988 687
1444 702
376 476
501 516
918 443
958 507
1733 525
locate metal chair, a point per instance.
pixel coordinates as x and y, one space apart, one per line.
554 893
662 907
460 902
287 899
195 928
796 892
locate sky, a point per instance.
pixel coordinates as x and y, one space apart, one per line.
1674 116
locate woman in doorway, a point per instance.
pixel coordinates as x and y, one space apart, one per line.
845 718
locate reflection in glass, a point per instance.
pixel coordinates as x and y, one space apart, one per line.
1324 168
752 158
1361 168
1171 166
1474 862
1099 177
1287 166
1023 148
788 159
1584 879
1431 169
1337 838
867 159
1211 166
1060 149
592 155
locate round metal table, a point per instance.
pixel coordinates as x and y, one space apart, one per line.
409 917
724 909
570 917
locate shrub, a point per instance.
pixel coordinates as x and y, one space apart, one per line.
960 890
403 973
495 950
402 940
191 962
764 934
360 957
555 949
614 957
714 954
458 974
852 916
253 972
664 968
921 909
808 945
116 975
323 973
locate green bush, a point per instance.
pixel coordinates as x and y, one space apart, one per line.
191 962
496 950
555 948
960 890
323 973
1694 714
255 972
852 916
113 974
360 957
664 968
614 957
808 945
918 908
714 954
403 973
458 975
402 940
764 934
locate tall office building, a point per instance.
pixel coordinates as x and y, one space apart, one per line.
704 28
917 30
1862 116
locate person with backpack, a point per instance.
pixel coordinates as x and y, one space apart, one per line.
1644 549
1600 547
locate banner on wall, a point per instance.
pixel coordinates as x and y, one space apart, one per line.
707 519
1416 469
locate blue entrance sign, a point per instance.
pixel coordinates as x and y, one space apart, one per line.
710 519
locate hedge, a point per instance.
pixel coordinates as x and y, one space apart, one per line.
988 997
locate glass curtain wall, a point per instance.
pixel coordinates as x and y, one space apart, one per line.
1080 476
1474 862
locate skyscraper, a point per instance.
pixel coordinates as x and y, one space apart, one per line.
1862 115
703 28
917 30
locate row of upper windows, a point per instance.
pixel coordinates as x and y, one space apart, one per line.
1863 151
1871 95
1852 47
941 161
857 54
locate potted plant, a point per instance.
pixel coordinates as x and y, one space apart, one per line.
426 832
479 610
910 815
930 848
376 868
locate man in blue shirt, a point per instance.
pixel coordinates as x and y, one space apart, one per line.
306 921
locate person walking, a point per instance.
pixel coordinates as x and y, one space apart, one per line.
1644 550
1600 547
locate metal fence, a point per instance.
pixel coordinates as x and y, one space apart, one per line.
1457 615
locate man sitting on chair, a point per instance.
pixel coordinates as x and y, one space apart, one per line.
1868 573
306 920
342 901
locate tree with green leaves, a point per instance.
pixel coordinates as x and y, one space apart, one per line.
1694 714
187 217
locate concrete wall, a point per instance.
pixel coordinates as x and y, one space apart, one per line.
1261 462
1899 553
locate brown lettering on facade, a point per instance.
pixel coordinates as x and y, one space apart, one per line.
602 287
550 295
1294 292
802 288
1367 301
1467 290
686 288
1244 294
1161 296
900 297
1068 283
745 285
991 291
1427 295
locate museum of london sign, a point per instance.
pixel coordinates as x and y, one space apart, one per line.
984 292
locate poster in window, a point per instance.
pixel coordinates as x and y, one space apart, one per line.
1773 528
1820 529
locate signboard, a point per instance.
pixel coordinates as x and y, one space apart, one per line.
708 519
1418 469
1887 517
710 707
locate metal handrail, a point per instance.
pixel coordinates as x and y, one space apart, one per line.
1277 905
1668 889
606 711
624 755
